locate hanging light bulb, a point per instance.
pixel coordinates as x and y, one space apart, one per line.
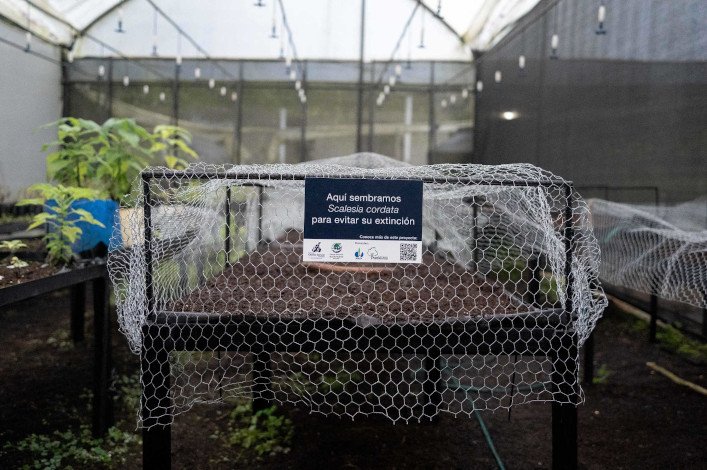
303 99
380 99
70 57
28 34
479 86
386 89
126 80
162 96
154 33
465 93
293 75
212 83
521 62
408 62
197 72
444 103
234 96
273 29
391 80
452 99
101 70
120 29
422 30
601 17
398 70
178 59
145 89
223 91
497 77
298 85
554 43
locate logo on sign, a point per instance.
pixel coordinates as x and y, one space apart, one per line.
317 248
359 254
336 247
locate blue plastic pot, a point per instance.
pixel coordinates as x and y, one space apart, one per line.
104 211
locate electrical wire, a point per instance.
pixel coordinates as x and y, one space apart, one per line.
78 34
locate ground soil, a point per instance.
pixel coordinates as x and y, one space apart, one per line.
634 419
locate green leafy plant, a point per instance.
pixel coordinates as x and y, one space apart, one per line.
60 218
13 246
602 375
108 157
265 432
65 449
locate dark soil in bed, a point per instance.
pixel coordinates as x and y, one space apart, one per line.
633 419
274 281
34 270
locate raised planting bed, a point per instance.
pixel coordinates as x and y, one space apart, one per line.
38 279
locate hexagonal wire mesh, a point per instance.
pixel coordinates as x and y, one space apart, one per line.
213 294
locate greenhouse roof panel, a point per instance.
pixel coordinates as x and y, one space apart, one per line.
321 29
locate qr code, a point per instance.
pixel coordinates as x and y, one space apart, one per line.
408 252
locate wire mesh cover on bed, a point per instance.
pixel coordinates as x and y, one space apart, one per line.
488 319
656 250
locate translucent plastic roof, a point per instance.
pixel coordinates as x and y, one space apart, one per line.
320 29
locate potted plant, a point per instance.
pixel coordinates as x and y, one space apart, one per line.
62 218
107 158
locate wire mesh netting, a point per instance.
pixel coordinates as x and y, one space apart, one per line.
655 250
213 293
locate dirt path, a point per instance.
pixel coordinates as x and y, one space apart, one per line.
634 419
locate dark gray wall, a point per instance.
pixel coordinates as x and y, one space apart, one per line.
622 109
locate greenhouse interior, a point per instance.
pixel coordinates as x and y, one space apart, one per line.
353 234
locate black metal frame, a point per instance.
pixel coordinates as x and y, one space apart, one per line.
531 334
76 280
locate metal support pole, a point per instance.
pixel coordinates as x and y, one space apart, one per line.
589 360
262 376
227 208
154 360
156 403
110 88
564 436
147 224
433 377
371 108
407 136
359 104
65 90
260 217
239 115
564 373
303 128
78 307
475 234
432 138
103 417
533 273
175 94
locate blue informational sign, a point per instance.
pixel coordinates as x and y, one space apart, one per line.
365 220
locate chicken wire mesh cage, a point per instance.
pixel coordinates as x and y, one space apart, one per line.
215 296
